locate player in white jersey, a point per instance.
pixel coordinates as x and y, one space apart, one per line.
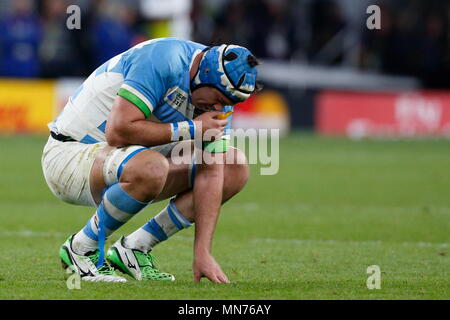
111 148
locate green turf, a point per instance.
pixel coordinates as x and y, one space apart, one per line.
309 232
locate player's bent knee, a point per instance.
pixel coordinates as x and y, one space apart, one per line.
147 173
238 169
242 174
240 157
154 173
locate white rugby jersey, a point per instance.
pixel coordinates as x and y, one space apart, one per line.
154 75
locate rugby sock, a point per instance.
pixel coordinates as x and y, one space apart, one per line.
116 208
165 224
81 243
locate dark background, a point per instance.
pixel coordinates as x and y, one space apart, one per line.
414 39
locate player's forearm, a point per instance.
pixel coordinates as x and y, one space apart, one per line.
139 132
127 125
208 189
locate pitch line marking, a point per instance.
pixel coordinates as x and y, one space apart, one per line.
31 234
254 206
366 242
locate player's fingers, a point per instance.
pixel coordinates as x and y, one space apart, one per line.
214 132
213 278
221 123
197 276
219 276
223 279
222 276
214 113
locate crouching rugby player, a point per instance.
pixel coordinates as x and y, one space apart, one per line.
111 148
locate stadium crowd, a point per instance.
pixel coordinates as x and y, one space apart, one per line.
414 38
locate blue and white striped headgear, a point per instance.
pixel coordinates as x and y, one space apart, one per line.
229 68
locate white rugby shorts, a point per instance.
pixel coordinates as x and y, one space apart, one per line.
67 167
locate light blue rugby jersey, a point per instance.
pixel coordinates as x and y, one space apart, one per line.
154 75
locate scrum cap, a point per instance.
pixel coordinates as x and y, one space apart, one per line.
229 68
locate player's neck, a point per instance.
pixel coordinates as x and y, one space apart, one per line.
195 65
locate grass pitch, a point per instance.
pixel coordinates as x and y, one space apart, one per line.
309 232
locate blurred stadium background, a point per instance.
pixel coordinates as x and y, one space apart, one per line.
310 50
337 205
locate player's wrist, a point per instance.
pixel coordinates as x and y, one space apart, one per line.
201 250
183 130
201 255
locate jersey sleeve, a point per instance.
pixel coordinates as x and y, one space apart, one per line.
148 74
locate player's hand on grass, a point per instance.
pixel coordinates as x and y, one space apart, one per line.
206 266
210 124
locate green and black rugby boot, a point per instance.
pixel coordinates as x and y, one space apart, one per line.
85 265
137 264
